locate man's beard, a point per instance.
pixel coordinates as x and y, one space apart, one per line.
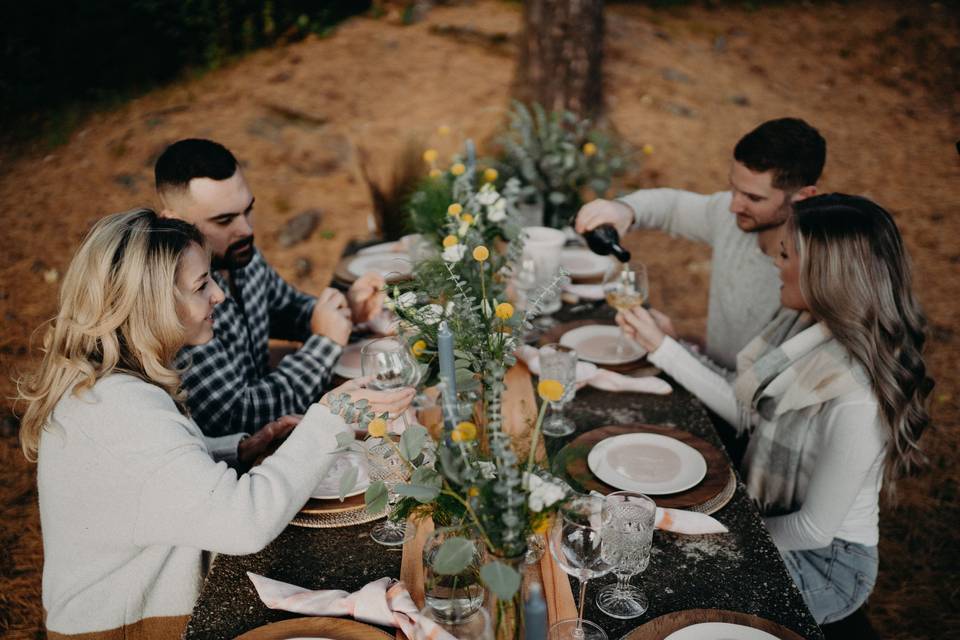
238 255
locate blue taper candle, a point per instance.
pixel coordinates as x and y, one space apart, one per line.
448 375
471 154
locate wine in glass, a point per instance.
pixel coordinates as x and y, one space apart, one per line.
625 287
628 523
576 542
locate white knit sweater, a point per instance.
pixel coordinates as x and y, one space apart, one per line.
130 495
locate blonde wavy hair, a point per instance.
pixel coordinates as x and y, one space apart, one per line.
856 277
117 313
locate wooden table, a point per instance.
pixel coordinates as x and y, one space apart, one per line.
741 571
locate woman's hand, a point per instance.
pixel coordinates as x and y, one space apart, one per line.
393 402
260 443
639 325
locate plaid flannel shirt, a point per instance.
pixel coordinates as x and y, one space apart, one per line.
229 386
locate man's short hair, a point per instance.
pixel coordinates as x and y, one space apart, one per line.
790 147
192 158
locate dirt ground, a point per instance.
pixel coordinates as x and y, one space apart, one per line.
872 77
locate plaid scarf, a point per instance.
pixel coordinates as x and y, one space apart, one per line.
785 375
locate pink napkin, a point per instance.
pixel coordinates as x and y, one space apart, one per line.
384 602
604 379
688 522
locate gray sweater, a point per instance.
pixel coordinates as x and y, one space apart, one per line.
744 285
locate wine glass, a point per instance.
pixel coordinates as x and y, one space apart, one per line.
576 542
625 287
628 523
559 363
386 466
390 365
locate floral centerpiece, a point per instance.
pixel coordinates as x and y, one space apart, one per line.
471 475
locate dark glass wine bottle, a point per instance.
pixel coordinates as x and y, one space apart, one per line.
605 240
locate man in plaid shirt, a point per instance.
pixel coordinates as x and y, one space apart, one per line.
228 381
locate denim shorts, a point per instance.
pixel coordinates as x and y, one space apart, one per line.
834 580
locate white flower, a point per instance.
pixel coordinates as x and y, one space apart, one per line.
463 228
450 307
488 195
407 300
487 470
431 314
454 253
542 493
498 212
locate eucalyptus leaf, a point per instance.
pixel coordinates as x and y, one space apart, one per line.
420 492
411 442
502 579
427 477
453 556
345 439
375 497
348 481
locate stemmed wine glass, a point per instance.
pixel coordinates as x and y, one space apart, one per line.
628 523
626 286
390 365
576 542
559 363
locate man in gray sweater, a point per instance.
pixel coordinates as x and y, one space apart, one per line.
774 165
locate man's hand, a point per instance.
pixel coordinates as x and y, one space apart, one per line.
366 296
639 325
260 443
393 402
593 214
331 317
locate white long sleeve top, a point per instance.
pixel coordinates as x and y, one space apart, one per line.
130 496
744 285
841 463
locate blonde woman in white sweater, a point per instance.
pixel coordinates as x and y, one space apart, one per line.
835 400
131 492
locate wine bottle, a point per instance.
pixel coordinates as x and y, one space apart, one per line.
605 240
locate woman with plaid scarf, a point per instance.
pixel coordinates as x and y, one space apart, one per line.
834 398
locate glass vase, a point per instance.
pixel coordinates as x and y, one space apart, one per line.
453 598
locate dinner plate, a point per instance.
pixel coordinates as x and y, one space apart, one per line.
719 631
583 263
383 247
316 628
647 462
329 487
597 343
388 264
348 364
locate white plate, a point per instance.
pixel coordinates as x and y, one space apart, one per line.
388 264
383 247
348 364
647 462
719 631
597 343
329 487
583 263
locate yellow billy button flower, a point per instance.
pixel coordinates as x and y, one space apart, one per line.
542 526
589 149
481 253
648 149
458 169
418 348
467 431
455 209
377 427
550 390
450 241
490 174
430 156
504 311
435 173
467 218
473 492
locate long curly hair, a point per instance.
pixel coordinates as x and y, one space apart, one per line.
118 313
855 276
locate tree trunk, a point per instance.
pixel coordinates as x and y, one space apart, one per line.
561 55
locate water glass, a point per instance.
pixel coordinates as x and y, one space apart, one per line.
576 542
559 363
628 523
386 465
452 598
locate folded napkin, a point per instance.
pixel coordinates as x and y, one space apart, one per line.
604 379
585 291
384 602
688 522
